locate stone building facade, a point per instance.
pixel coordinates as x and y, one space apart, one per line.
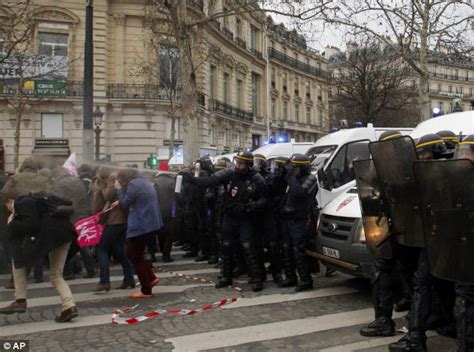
260 82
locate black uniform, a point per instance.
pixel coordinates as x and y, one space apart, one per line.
296 211
244 194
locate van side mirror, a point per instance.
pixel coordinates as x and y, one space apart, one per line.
325 178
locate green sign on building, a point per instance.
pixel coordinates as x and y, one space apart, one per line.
50 88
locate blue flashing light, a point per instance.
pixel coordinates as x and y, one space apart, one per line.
437 111
334 129
266 142
359 124
281 139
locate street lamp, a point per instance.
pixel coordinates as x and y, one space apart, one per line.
97 116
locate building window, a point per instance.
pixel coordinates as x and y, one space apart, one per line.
2 42
285 111
169 68
308 90
439 88
169 122
255 100
456 74
226 18
320 117
308 115
450 89
285 83
240 95
212 82
320 97
297 112
254 33
51 125
211 136
471 92
238 27
460 90
273 109
52 44
225 88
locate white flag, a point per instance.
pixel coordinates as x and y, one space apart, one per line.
70 165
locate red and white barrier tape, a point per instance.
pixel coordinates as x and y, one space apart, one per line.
117 319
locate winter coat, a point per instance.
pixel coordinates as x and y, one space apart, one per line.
144 215
25 182
72 188
164 185
104 195
32 220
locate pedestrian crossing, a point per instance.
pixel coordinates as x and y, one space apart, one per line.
326 319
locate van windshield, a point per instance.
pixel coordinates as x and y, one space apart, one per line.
318 155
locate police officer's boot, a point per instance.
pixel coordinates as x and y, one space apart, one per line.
226 279
382 326
414 341
288 266
253 266
275 261
239 260
464 331
306 282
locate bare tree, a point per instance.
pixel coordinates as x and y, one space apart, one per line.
418 26
373 84
22 70
16 26
187 28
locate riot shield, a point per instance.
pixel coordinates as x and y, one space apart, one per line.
374 217
393 160
446 191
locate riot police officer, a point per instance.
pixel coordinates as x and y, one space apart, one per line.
449 138
296 210
382 281
269 227
464 306
244 194
428 147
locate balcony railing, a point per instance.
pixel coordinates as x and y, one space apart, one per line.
287 60
47 89
240 42
257 53
139 91
231 111
449 94
451 77
228 33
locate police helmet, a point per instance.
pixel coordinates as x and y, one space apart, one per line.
389 135
221 164
206 163
465 149
246 157
449 138
431 146
302 161
259 161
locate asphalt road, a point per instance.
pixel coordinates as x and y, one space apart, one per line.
326 319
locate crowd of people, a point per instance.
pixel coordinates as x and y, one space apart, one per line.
236 215
247 216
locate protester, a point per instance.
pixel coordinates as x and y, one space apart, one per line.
34 231
115 232
137 194
72 188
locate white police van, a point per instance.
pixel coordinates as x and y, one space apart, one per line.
340 240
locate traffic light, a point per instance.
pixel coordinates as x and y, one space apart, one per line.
151 161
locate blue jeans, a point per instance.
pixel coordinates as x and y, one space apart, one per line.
113 238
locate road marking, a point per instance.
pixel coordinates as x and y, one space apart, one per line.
164 275
31 328
371 343
91 296
280 298
270 331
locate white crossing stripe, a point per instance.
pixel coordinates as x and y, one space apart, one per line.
116 279
370 343
91 296
270 331
280 298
